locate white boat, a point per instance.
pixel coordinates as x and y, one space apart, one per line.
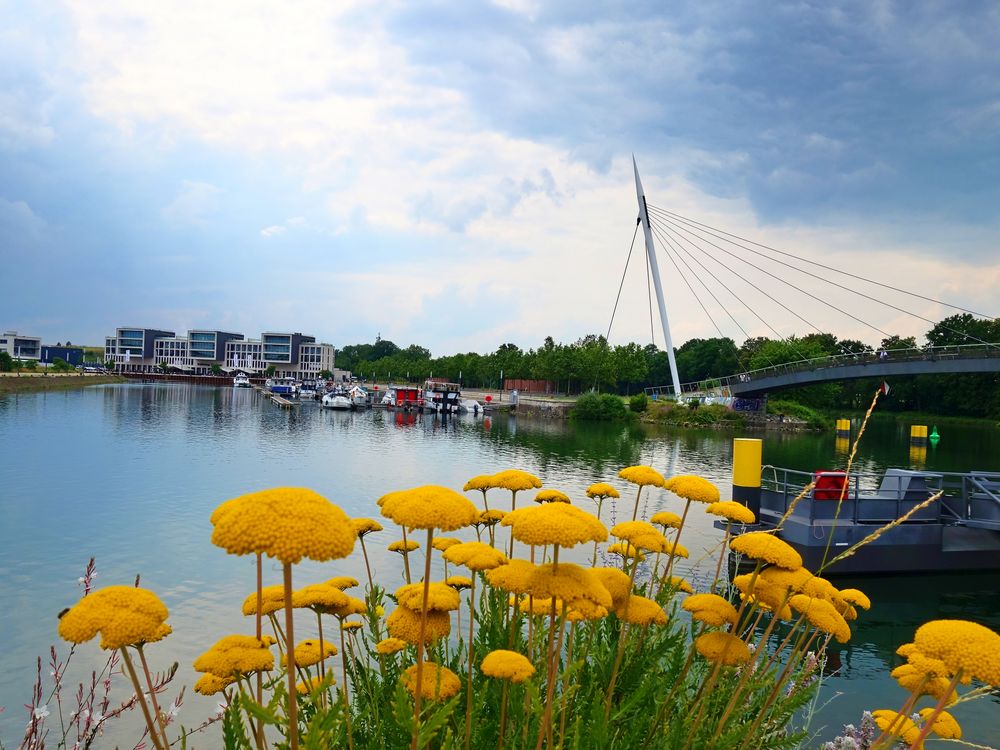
241 381
308 391
336 400
470 406
359 397
284 387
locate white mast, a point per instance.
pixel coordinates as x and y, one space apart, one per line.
654 268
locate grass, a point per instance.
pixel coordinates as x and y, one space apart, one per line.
34 383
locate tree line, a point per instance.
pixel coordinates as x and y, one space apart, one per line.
591 363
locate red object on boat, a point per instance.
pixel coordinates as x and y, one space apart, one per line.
829 485
488 399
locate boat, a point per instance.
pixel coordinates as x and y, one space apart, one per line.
442 397
959 531
359 397
283 386
241 380
336 400
470 406
308 390
405 397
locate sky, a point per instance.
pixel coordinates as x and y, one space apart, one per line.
459 175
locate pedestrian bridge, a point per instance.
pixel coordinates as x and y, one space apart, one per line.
935 360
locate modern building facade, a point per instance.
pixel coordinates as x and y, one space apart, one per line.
21 347
72 355
202 351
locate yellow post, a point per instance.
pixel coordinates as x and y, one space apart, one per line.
746 472
843 428
918 434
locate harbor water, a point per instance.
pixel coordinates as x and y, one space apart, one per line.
130 473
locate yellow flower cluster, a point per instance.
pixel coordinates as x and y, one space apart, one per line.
475 556
857 598
642 476
710 609
512 577
210 684
440 597
428 507
458 582
516 480
554 523
319 595
400 546
692 487
962 645
123 615
507 665
568 582
308 652
529 605
551 496
638 610
734 511
666 518
286 523
601 490
722 648
918 681
822 615
902 726
944 725
678 583
304 688
760 545
272 598
343 582
626 550
354 606
616 582
481 482
490 518
642 535
436 683
404 624
390 646
780 610
441 543
237 655
676 549
352 625
363 526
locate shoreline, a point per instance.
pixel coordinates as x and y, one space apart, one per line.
12 384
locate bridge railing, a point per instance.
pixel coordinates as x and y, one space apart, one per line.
932 353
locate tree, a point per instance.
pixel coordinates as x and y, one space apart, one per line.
325 374
164 366
383 348
271 369
30 365
109 365
215 368
61 365
6 362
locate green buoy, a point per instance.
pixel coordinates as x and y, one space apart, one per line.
934 437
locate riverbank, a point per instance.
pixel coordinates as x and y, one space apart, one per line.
24 383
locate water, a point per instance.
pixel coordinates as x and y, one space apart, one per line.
131 473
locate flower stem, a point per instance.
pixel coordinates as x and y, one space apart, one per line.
152 695
347 699
418 692
259 734
142 699
293 707
368 569
468 695
503 713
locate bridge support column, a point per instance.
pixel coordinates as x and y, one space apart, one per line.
747 454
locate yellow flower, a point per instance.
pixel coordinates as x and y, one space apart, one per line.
759 545
352 625
912 679
539 606
475 556
307 652
342 582
304 688
969 646
928 665
722 648
363 526
272 598
823 615
440 597
616 582
903 726
554 523
856 597
678 583
601 490
354 606
390 646
512 577
711 609
400 546
441 543
481 482
568 582
516 480
642 476
906 649
781 611
642 535
667 519
210 684
286 523
319 595
734 511
123 615
944 725
490 518
436 683
692 487
507 665
404 623
626 550
428 507
551 496
638 610
237 655
458 582
583 609
676 549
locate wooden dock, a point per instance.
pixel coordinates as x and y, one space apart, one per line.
283 402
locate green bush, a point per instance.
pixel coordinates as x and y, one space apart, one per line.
638 402
603 406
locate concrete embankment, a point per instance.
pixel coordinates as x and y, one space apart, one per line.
12 383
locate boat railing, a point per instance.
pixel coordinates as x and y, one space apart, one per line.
971 498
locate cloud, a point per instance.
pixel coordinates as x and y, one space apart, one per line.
273 230
193 205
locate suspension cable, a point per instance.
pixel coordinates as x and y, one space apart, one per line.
615 309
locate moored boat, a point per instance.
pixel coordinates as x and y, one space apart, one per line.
336 400
241 380
283 386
